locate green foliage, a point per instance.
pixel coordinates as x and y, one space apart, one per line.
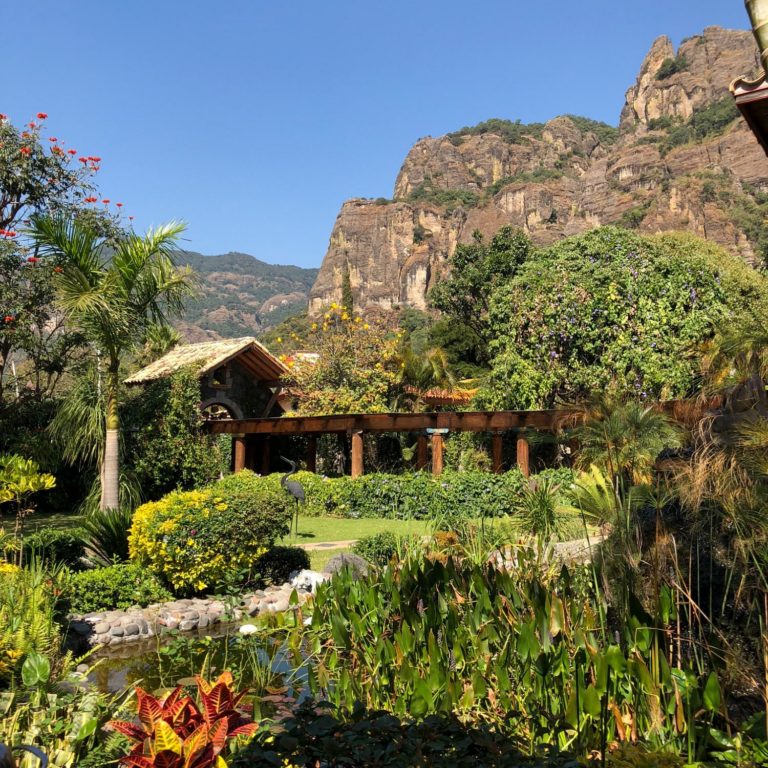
531 177
196 540
106 534
704 123
477 269
418 496
540 507
429 192
379 548
358 366
671 66
28 615
522 648
114 587
53 545
347 297
64 724
634 217
611 307
606 134
513 132
171 450
277 564
315 735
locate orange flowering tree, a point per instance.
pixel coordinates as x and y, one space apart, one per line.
38 174
346 364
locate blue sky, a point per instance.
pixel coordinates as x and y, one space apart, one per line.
253 120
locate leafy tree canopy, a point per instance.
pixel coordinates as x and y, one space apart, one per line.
611 307
477 268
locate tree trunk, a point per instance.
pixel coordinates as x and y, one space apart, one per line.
110 488
758 15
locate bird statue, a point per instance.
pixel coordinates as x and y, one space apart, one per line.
295 489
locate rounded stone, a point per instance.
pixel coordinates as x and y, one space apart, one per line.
101 628
185 626
131 629
117 631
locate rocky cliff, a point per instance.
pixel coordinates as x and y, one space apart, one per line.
681 158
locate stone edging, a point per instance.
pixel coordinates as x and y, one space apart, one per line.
112 628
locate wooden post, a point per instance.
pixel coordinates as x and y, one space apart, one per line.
422 452
497 442
238 453
311 453
437 454
357 454
523 455
266 455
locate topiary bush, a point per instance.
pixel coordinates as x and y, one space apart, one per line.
198 540
277 564
115 587
55 546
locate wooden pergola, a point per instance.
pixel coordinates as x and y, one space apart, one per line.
253 437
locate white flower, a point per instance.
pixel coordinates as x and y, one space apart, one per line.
248 629
307 621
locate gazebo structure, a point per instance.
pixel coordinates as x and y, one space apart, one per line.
239 378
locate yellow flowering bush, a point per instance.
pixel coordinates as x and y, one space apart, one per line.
200 540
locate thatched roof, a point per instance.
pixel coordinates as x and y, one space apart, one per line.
210 355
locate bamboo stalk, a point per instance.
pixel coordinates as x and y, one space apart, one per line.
758 15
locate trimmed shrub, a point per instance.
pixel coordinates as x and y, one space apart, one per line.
115 587
377 549
197 540
418 495
56 546
277 564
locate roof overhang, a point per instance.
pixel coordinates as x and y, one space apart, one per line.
752 100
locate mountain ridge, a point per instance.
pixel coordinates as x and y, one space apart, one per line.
680 158
241 295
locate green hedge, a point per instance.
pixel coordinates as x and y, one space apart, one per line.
56 546
115 587
415 496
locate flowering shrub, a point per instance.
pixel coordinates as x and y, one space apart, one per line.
198 540
611 307
357 368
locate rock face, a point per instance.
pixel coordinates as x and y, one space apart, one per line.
680 159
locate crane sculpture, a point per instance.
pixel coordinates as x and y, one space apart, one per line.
296 490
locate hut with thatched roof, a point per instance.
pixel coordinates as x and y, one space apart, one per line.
239 378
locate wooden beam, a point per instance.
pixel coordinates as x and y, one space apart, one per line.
497 452
422 452
437 454
464 421
311 457
238 453
272 401
523 455
357 455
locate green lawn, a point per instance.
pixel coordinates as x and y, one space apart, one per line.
313 530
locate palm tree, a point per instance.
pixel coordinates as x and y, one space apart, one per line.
623 438
114 291
422 371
